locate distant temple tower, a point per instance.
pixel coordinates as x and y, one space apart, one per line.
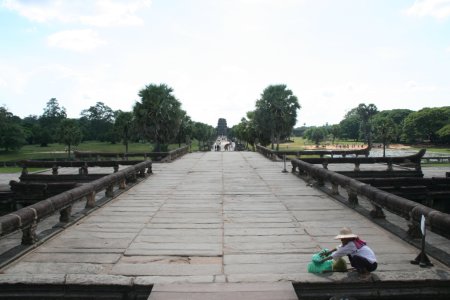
222 127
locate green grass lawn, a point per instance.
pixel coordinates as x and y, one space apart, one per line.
9 170
58 150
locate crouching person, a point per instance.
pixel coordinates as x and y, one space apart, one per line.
361 257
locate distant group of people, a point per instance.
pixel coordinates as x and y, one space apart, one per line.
347 146
223 143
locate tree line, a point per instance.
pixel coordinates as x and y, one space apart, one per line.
157 118
366 123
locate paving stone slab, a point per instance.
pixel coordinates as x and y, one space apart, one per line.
45 249
275 291
96 258
90 243
166 269
181 231
24 278
172 259
228 225
58 268
148 280
199 239
267 239
169 225
174 252
264 231
101 279
253 258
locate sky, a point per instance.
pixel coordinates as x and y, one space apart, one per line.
219 55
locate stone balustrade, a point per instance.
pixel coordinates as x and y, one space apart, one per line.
27 218
156 156
411 211
322 153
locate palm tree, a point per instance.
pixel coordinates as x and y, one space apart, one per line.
158 114
366 112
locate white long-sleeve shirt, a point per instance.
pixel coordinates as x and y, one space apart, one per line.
350 249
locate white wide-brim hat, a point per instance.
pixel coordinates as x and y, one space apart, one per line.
345 233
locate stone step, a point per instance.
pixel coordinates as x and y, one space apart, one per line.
224 291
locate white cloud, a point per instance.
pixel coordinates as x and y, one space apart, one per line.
387 52
413 86
439 9
75 40
102 13
3 83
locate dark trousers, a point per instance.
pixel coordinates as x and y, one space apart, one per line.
361 264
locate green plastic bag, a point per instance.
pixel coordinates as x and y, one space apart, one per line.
316 266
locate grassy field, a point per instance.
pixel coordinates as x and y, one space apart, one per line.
58 150
9 170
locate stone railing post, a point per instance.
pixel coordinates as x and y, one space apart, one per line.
357 168
377 212
55 170
414 229
64 214
24 170
90 200
109 191
334 188
122 184
29 236
352 197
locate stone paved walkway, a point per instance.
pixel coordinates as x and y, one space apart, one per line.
215 217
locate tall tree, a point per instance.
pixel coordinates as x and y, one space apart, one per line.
185 131
278 106
31 128
397 116
123 127
69 134
366 112
158 114
316 134
246 131
49 122
384 130
335 131
11 133
100 122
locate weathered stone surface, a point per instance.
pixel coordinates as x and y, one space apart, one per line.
57 268
148 280
274 291
25 278
213 239
166 269
109 280
213 217
90 243
95 258
272 258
